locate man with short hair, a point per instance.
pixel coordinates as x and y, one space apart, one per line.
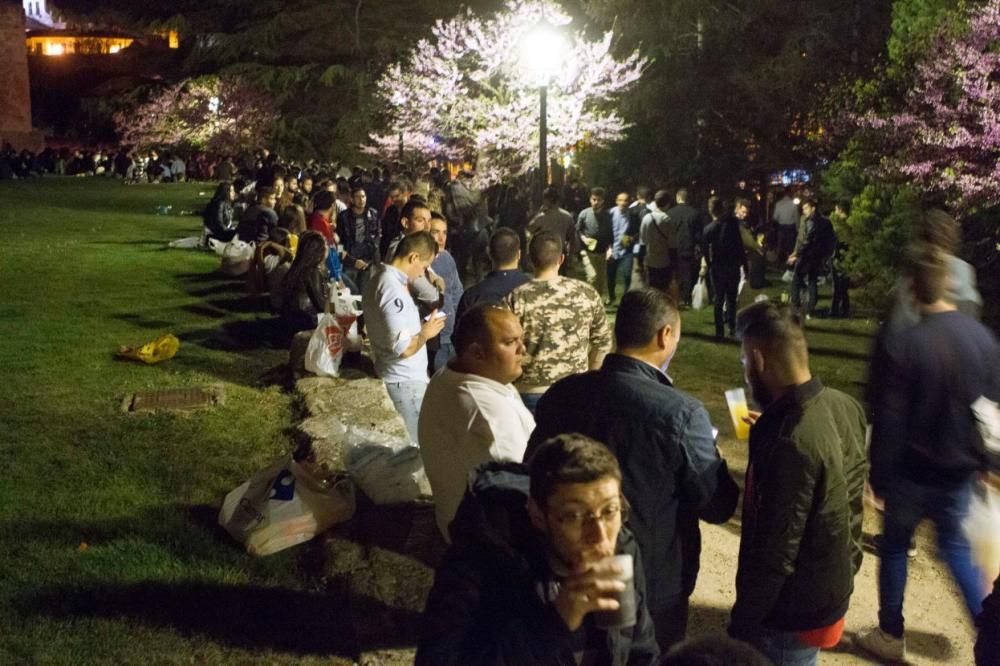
687 220
505 254
595 229
361 235
565 328
639 209
531 566
427 289
656 236
800 544
445 267
259 220
662 437
471 413
391 224
786 216
397 333
726 250
320 219
934 431
813 249
624 236
556 220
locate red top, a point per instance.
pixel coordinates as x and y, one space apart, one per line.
321 223
824 637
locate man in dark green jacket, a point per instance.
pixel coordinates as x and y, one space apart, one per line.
800 546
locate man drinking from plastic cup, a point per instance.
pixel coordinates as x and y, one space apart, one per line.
541 570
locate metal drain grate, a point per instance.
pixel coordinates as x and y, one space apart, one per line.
174 399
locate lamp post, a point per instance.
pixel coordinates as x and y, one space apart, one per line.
543 49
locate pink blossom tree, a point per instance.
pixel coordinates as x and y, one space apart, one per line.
946 138
212 113
463 93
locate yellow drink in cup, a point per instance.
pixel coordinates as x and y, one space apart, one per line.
738 410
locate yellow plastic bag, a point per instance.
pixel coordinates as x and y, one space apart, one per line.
161 349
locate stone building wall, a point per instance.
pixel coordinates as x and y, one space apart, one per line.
15 96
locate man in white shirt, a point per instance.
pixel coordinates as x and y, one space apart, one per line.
471 413
398 336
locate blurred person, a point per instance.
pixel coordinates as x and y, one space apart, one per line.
786 217
800 537
530 567
471 413
663 439
639 209
939 392
726 242
565 328
556 220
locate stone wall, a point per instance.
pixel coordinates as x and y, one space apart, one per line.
15 95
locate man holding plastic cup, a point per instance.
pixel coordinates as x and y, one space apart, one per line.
800 544
541 570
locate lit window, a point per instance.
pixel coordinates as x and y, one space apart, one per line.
54 49
115 48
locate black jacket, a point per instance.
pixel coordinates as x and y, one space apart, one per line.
347 231
690 229
672 472
486 607
724 243
802 509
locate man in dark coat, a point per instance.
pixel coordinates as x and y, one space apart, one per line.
813 250
672 472
800 538
529 573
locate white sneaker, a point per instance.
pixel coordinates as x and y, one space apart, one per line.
881 644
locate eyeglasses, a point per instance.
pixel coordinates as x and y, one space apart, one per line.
606 515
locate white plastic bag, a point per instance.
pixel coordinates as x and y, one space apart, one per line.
284 505
326 347
743 282
236 257
699 295
386 469
346 308
982 527
788 276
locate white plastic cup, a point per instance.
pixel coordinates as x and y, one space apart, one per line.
625 616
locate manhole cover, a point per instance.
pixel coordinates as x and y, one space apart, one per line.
173 399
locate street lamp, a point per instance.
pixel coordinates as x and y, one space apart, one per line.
543 49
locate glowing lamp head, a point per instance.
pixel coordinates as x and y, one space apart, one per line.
543 50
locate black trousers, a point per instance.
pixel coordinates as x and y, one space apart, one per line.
726 280
670 623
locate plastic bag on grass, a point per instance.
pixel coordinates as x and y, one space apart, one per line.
326 347
236 257
982 527
284 505
161 349
387 469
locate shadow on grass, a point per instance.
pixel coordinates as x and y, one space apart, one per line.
838 353
140 321
707 337
221 288
242 616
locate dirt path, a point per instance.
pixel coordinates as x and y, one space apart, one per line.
938 629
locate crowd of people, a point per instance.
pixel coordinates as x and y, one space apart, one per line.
569 473
542 427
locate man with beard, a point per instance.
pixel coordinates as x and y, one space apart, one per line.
800 544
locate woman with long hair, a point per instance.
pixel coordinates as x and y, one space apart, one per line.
306 288
218 216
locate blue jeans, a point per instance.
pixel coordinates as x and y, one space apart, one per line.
785 648
619 268
407 397
906 504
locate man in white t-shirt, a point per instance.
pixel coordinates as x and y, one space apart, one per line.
398 335
471 413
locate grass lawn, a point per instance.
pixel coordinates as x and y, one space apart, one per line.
108 545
